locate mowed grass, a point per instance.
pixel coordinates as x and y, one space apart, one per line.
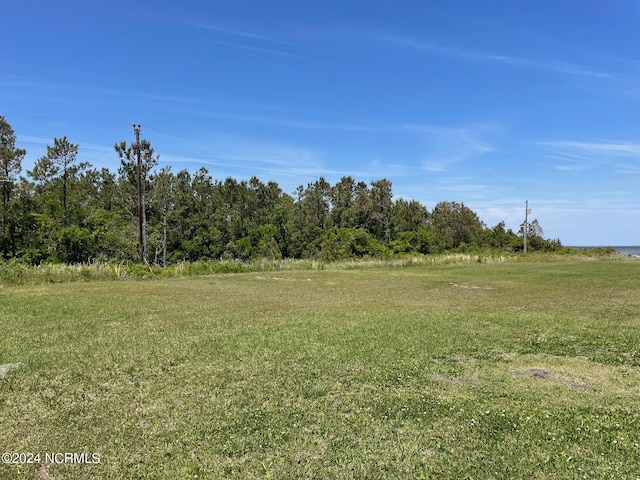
528 370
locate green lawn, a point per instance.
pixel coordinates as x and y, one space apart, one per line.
515 370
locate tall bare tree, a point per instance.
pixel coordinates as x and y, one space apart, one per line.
128 167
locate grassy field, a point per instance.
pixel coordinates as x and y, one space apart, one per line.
502 370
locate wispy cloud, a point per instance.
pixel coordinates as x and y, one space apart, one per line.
615 149
38 85
486 57
305 123
257 40
241 157
449 145
33 140
618 157
238 33
270 51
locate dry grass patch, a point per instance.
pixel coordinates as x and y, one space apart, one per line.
578 373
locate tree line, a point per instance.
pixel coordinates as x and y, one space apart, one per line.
66 210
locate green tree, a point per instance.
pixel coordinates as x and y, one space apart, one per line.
342 198
162 199
407 216
203 239
311 215
22 236
341 243
358 214
180 217
59 163
265 198
281 218
457 224
381 203
535 234
10 159
108 236
10 166
500 237
233 212
422 240
317 202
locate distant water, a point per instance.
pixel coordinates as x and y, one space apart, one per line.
635 251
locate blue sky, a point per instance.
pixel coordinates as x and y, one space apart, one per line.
487 102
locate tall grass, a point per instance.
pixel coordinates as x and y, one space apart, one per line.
18 273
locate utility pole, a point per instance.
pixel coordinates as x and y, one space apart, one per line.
527 211
141 243
4 181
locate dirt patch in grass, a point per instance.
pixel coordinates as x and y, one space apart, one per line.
286 279
42 473
472 287
576 373
551 376
7 367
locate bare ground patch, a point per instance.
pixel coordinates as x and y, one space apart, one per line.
472 287
8 367
42 473
286 279
577 373
542 372
551 376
